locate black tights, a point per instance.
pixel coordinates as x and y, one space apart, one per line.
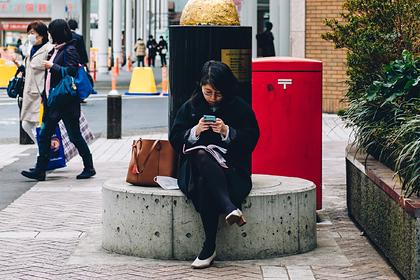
213 198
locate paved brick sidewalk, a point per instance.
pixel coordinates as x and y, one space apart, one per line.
53 231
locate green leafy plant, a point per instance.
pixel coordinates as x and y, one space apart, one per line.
386 120
383 85
374 32
401 78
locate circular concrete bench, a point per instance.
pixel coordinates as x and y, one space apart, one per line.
151 222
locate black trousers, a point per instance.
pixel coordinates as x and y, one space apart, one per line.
163 59
213 194
151 60
140 60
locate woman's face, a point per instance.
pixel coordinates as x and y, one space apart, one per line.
36 38
211 95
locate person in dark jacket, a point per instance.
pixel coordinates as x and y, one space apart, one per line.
64 54
215 186
79 42
163 50
151 46
265 41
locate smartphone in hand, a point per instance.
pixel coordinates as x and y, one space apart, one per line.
209 118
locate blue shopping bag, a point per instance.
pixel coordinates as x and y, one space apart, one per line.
84 85
57 158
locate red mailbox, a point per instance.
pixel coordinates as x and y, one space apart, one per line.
287 100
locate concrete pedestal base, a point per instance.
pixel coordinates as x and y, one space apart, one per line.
155 223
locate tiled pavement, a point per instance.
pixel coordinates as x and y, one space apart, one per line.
53 231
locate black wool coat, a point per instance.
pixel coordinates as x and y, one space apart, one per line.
80 47
243 132
67 57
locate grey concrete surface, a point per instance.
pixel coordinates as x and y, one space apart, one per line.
138 112
12 184
63 205
163 224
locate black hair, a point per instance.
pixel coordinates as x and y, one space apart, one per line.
161 37
39 28
150 36
268 25
72 24
60 31
220 77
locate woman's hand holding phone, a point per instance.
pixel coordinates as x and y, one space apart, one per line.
219 127
202 126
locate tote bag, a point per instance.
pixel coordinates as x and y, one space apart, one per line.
150 158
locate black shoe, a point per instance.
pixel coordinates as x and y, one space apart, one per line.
34 174
86 173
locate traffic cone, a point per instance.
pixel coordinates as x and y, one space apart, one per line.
117 67
164 81
129 64
142 82
114 79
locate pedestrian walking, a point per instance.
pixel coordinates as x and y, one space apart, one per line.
140 49
34 76
216 179
265 41
151 51
65 55
163 50
79 42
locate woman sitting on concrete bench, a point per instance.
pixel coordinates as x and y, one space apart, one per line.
215 133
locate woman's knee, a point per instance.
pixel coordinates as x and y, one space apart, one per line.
201 157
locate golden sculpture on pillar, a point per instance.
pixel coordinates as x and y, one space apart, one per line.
210 12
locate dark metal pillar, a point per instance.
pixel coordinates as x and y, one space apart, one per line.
191 46
114 115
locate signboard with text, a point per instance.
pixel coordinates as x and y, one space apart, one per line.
25 9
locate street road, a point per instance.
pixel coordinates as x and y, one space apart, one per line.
138 112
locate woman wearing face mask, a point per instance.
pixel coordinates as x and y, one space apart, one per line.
65 55
34 76
215 115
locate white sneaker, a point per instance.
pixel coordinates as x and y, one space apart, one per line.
235 216
203 263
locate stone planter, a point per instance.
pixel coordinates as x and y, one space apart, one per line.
392 223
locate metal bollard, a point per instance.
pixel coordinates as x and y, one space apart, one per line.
114 115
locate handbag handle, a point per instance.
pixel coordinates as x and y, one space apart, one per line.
155 144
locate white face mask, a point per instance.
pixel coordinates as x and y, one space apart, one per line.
32 38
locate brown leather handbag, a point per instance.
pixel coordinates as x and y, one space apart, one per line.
150 158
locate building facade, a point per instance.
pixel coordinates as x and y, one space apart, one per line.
334 60
15 15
